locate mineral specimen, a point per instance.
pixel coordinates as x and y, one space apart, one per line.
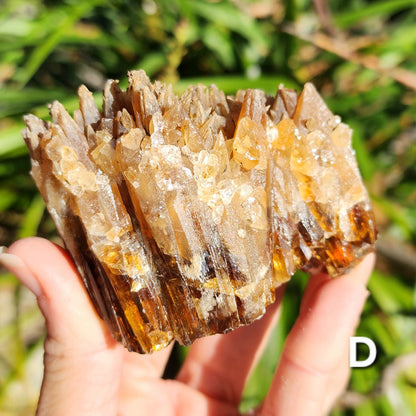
184 214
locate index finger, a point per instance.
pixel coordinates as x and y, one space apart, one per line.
315 348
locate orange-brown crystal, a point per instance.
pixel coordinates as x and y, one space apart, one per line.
183 214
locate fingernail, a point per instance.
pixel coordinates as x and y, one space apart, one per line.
18 267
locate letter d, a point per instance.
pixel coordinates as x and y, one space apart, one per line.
354 341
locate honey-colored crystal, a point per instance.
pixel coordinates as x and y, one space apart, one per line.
183 214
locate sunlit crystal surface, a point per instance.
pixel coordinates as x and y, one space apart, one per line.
183 214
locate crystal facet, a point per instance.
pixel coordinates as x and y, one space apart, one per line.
183 214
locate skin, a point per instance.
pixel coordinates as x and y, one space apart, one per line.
88 373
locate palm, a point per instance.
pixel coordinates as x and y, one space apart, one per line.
142 388
88 373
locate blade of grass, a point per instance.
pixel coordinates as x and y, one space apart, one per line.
366 409
11 140
152 63
381 332
217 41
7 280
379 9
27 318
398 395
364 380
16 102
230 84
7 197
19 347
365 161
69 17
32 217
13 375
398 215
408 392
391 294
384 407
227 15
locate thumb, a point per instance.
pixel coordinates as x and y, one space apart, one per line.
47 270
82 360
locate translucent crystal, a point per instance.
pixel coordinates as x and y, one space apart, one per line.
183 214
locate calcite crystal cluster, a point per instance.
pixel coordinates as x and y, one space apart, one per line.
183 214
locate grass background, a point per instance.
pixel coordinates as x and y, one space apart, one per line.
360 54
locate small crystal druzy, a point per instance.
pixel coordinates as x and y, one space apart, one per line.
183 214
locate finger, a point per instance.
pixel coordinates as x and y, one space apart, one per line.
219 366
78 348
314 348
139 366
83 363
71 319
337 382
139 374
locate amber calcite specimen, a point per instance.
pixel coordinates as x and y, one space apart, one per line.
183 214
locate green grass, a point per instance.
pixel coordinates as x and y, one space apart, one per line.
47 49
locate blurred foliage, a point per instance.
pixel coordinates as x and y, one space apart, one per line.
360 55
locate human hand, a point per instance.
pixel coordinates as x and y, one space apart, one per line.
88 373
